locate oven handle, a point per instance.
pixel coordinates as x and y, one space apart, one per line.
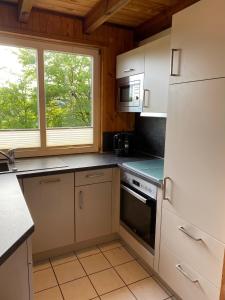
133 193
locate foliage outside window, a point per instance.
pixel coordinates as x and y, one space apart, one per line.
67 101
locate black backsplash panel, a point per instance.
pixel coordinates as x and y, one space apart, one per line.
150 135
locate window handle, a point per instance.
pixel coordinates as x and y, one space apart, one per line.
181 228
189 277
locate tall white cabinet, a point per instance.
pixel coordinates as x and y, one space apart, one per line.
193 223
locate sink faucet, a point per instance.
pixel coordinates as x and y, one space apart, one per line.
10 155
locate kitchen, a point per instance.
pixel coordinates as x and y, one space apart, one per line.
115 189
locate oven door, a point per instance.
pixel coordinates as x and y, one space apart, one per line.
138 215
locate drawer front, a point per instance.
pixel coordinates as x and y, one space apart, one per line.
93 176
188 284
196 248
49 180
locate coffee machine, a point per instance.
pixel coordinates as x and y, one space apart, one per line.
123 144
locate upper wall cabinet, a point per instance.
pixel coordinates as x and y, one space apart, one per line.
195 56
156 82
130 63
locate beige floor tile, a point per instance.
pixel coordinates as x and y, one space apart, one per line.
87 252
131 272
121 294
44 279
69 271
95 263
106 281
61 259
110 245
80 289
50 294
41 265
148 289
118 256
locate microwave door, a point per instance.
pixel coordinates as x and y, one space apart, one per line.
125 95
130 94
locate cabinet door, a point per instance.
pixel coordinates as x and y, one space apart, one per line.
194 154
199 37
51 202
93 211
14 274
130 63
156 83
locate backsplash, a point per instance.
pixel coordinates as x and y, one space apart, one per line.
150 135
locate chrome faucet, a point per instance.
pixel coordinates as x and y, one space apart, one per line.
10 155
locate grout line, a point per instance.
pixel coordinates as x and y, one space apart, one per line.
49 288
88 277
57 280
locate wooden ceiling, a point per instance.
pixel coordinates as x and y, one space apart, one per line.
135 14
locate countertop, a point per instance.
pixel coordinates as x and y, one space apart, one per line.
16 223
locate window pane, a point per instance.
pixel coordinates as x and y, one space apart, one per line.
68 89
18 98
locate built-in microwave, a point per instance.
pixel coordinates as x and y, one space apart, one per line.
130 93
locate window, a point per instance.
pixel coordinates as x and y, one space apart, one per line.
48 97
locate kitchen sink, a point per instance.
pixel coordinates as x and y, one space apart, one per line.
4 167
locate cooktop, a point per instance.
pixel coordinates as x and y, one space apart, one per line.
152 168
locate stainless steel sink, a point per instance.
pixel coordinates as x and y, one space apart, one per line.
4 167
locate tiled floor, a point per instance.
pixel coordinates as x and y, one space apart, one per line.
107 272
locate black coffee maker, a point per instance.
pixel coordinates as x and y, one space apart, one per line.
123 144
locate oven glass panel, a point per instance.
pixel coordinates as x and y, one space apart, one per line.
139 217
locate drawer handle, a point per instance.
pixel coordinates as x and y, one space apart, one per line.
94 175
46 181
164 188
181 228
128 70
181 270
81 200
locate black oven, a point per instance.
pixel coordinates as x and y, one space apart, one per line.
138 209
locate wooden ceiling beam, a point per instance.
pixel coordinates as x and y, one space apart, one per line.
160 22
24 10
101 12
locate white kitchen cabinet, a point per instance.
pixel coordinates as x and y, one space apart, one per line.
187 283
93 211
15 275
197 249
51 203
130 63
198 42
156 80
194 155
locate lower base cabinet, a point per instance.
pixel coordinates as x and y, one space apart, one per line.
93 211
16 275
187 283
51 203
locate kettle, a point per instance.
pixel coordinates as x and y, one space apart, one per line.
123 144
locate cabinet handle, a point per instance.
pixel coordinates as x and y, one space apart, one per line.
46 181
164 188
181 228
146 103
94 175
181 270
173 51
81 200
128 70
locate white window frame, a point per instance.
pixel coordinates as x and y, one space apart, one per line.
42 45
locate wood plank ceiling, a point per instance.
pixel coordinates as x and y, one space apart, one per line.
146 17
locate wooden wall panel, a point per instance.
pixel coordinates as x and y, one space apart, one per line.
112 40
